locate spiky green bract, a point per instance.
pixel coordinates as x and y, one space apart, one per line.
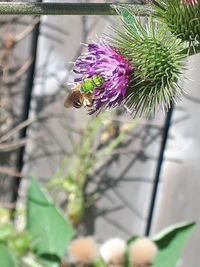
158 63
182 18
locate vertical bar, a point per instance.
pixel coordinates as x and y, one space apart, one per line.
158 169
25 109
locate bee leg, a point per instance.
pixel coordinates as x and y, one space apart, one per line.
87 102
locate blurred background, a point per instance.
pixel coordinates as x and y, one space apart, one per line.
147 180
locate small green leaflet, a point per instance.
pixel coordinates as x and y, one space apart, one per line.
127 17
51 232
7 258
170 243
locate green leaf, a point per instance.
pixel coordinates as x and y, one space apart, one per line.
52 233
49 260
170 243
127 17
7 258
6 231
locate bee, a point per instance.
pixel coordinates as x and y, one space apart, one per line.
82 94
77 99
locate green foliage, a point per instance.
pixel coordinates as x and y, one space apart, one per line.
47 235
7 257
49 261
46 225
170 243
15 248
99 262
20 243
6 231
157 58
88 155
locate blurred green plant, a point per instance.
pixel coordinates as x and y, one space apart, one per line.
169 242
88 156
47 235
162 250
45 238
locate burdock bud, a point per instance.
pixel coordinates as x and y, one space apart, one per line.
112 251
83 251
182 18
158 63
142 252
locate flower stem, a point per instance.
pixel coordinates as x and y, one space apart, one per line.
34 8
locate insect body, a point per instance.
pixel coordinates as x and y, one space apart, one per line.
89 84
82 94
77 99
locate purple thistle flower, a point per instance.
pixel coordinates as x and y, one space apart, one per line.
190 2
104 61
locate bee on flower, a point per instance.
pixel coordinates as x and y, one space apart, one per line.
104 80
139 68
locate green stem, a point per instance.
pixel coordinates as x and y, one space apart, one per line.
32 8
191 51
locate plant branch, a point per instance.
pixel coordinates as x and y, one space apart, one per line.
37 8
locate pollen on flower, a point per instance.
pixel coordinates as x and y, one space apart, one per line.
142 252
83 250
112 251
112 70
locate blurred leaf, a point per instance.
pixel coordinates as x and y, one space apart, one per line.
170 243
49 260
20 243
29 260
46 224
6 231
7 258
99 262
4 214
127 17
131 239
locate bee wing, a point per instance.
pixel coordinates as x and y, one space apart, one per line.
74 99
69 101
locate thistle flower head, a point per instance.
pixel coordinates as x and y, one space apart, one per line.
104 62
83 250
182 18
142 252
158 61
112 251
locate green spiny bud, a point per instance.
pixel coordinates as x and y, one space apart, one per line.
157 58
182 18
